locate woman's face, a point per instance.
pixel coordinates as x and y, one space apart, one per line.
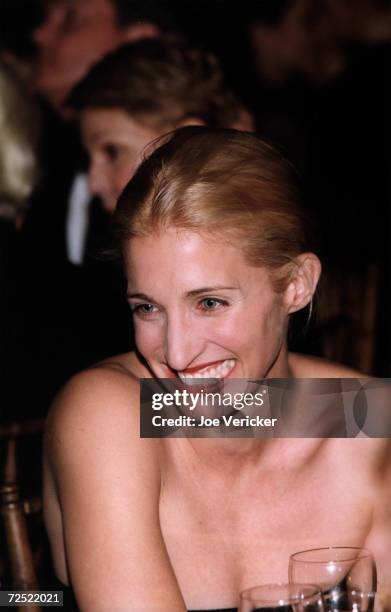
201 311
115 144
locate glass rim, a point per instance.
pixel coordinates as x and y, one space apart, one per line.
284 601
364 554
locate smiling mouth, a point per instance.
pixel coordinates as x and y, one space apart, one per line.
219 370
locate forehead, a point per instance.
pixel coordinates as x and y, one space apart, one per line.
112 120
188 260
71 17
95 8
90 6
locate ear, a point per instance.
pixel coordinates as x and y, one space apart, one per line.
303 282
245 121
138 30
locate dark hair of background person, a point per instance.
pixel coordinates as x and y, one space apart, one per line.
160 82
156 11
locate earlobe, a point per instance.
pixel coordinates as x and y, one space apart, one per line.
302 286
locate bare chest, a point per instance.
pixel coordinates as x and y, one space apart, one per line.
226 533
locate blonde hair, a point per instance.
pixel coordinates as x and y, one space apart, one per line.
18 144
223 182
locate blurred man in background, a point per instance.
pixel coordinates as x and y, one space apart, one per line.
77 33
61 332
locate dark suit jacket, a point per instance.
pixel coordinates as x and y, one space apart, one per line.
72 316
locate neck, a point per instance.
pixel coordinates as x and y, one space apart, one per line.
243 449
281 366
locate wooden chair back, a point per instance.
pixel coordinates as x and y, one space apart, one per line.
347 313
14 510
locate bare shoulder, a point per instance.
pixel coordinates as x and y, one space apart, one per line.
110 385
102 488
304 366
98 390
130 364
97 405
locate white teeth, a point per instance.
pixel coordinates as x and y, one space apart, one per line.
214 372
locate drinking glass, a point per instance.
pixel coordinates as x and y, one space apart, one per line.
282 598
345 575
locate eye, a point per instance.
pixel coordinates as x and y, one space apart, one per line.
70 20
144 310
210 304
75 17
112 151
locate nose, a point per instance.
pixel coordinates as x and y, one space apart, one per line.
182 344
98 181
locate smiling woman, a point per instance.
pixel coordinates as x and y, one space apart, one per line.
217 260
211 289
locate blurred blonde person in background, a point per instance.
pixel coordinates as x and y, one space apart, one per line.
19 128
19 173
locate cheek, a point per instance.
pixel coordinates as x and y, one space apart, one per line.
72 53
261 326
274 327
97 42
225 333
93 38
276 316
79 50
148 337
123 172
109 175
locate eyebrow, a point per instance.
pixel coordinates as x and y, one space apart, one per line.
99 135
193 293
139 296
196 292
